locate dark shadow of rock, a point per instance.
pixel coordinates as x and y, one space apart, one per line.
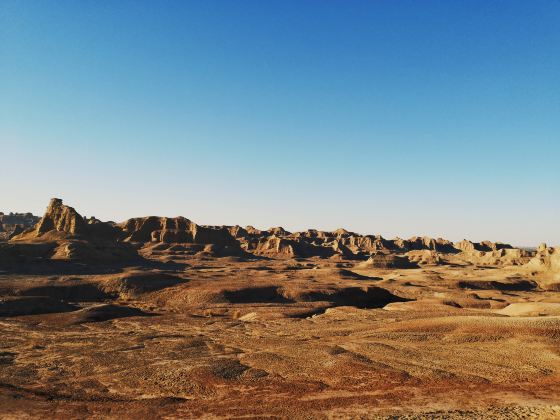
266 294
518 285
105 312
33 305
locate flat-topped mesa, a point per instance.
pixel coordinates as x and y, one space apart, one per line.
65 235
340 249
157 229
61 218
277 246
427 243
278 231
485 246
174 230
343 233
367 244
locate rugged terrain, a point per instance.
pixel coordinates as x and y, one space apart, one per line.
161 317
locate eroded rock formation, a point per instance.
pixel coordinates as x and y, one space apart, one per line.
79 238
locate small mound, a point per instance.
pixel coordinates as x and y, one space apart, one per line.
105 312
266 294
348 274
136 283
424 305
531 309
359 297
518 285
76 292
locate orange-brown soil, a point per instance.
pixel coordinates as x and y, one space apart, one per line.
177 334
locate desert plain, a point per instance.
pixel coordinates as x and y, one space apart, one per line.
159 317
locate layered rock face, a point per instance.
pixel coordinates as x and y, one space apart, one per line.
349 245
485 246
174 230
277 246
161 232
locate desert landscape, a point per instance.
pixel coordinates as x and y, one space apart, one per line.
160 317
336 209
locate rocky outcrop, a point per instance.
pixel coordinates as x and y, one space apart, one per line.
18 229
26 220
430 244
499 257
388 261
61 218
546 266
170 232
175 230
79 238
484 246
425 257
13 224
343 251
292 248
157 229
278 231
465 245
69 237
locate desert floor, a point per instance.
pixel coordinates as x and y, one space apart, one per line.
277 338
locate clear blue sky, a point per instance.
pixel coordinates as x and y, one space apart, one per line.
394 117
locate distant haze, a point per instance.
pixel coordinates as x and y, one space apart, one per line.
394 118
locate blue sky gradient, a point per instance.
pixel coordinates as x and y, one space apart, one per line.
437 118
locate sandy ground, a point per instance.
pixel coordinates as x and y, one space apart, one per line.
265 338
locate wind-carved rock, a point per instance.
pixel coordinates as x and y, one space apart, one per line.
61 218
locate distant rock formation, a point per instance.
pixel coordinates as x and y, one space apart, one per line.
425 257
387 261
211 240
546 265
78 238
277 246
68 236
61 218
13 224
485 246
174 230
